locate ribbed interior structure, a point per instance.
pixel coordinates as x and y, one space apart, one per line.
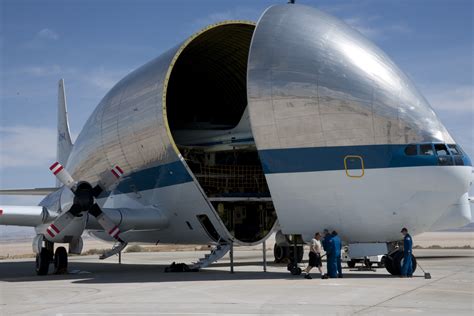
207 85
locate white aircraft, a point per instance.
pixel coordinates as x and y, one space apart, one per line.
294 124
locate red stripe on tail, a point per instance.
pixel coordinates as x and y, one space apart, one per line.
53 165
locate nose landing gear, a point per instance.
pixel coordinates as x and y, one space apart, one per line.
394 261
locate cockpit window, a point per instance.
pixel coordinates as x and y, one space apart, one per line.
411 150
441 150
426 150
454 149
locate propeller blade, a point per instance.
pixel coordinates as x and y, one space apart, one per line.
63 176
58 225
108 180
107 224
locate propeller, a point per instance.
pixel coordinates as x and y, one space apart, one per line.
85 201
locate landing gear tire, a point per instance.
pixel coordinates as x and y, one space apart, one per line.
281 253
296 271
60 261
43 259
413 263
394 262
351 264
381 264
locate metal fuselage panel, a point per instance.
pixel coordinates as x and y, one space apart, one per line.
129 128
313 81
320 93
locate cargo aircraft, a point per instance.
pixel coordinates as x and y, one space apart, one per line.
294 124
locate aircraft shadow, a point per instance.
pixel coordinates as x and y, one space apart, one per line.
102 273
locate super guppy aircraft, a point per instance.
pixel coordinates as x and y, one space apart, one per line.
293 124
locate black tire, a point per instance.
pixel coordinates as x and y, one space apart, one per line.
390 263
413 263
60 261
397 262
393 263
43 259
280 253
296 271
351 264
381 264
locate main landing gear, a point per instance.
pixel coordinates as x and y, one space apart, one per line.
394 262
293 254
284 250
45 257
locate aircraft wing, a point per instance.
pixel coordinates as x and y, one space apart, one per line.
36 191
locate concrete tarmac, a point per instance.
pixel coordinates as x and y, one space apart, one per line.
139 286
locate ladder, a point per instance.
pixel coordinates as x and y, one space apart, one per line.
217 252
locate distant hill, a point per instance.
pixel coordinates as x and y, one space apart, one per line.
468 228
16 233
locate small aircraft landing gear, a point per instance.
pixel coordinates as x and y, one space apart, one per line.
43 259
60 261
394 261
293 265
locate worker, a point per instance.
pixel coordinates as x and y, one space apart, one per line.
337 252
407 268
315 250
328 245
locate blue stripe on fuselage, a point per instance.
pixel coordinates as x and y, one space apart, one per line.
155 177
332 158
287 160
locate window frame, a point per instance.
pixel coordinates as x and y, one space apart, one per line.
448 153
433 153
410 146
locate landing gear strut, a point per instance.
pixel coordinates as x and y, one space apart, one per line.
293 265
45 257
394 261
286 253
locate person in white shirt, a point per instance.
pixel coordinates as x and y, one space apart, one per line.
315 257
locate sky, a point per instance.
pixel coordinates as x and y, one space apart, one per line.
93 44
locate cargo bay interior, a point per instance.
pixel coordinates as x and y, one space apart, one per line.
207 96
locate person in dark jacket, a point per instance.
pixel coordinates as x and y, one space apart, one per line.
407 268
337 252
328 246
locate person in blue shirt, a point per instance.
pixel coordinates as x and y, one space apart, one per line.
328 245
407 268
337 253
